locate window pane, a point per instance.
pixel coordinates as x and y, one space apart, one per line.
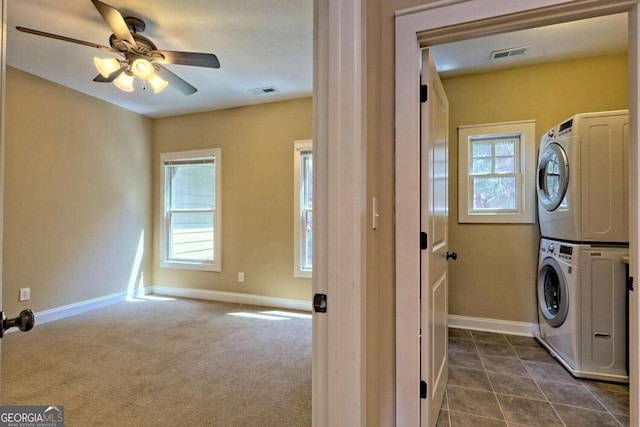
481 166
481 149
308 241
505 164
506 148
307 182
494 193
192 186
191 236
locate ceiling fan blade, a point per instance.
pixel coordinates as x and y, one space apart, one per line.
116 22
189 58
175 81
114 75
66 39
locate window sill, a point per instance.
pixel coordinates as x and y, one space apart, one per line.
197 266
303 274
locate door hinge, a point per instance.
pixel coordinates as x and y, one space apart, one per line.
630 284
424 93
424 242
423 390
320 303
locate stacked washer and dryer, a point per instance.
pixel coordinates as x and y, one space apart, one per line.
583 187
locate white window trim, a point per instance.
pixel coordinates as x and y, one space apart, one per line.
298 224
525 212
216 265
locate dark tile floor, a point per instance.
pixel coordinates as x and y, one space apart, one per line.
508 380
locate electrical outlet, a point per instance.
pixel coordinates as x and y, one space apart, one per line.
25 294
240 277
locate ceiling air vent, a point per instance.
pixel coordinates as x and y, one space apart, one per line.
505 53
263 90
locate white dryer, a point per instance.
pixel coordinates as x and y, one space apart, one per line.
582 308
583 179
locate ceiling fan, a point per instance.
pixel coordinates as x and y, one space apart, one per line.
138 56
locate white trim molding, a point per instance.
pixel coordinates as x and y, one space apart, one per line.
493 325
523 134
339 218
214 156
302 148
233 297
69 310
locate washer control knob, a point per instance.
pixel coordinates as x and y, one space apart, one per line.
551 247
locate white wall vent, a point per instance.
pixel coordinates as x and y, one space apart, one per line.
505 53
263 90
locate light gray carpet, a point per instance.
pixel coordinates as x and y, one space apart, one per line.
165 363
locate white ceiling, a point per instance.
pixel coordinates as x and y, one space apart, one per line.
604 35
259 44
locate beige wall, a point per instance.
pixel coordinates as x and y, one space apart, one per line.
257 195
79 180
495 274
77 195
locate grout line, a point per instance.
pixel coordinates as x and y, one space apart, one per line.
606 408
479 416
446 396
495 395
535 381
580 382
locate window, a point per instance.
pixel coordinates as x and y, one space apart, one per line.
496 173
191 234
303 209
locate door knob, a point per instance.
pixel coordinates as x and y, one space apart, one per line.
452 255
25 321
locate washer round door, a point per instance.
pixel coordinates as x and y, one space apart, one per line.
553 293
553 176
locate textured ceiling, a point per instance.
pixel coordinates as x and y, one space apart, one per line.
604 35
259 44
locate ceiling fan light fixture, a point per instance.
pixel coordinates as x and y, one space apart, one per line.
142 69
158 83
106 66
124 82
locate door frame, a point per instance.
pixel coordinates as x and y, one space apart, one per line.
3 60
339 222
451 20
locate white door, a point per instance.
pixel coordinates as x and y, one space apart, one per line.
434 178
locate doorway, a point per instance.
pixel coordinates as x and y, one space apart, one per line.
438 24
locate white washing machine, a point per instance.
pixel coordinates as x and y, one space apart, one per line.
582 308
583 179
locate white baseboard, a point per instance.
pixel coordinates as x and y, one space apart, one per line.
493 325
462 322
233 297
237 298
84 306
